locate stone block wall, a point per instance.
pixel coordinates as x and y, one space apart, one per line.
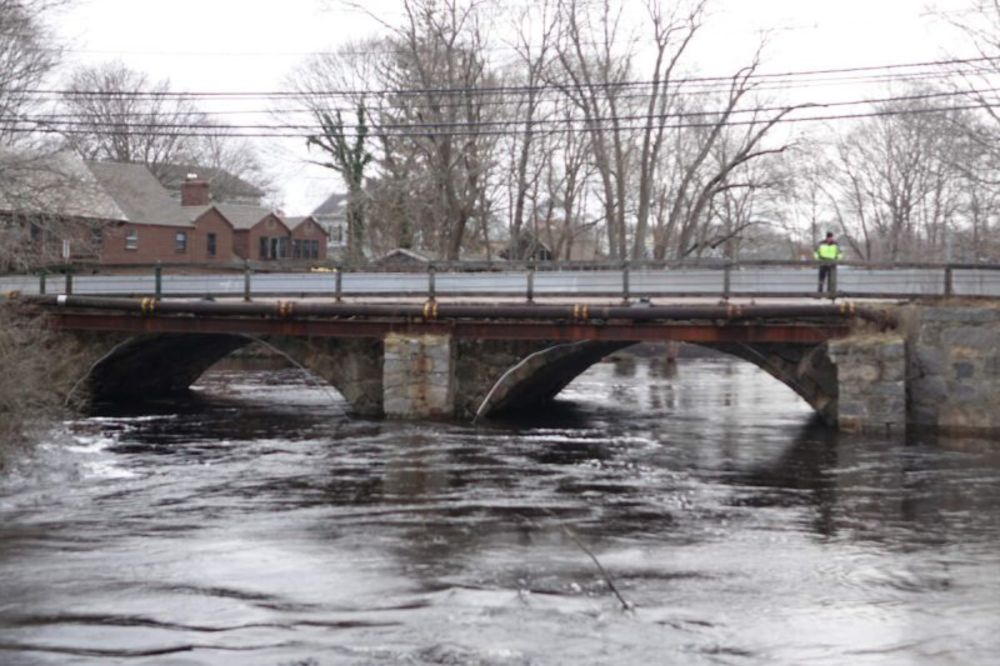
953 369
351 365
418 376
871 378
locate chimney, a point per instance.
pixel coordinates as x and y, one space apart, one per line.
194 192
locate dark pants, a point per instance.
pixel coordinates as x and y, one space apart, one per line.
824 275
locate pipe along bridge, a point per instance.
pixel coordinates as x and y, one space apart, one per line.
437 359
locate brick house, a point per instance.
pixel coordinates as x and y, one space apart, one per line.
154 228
258 234
213 239
309 238
120 214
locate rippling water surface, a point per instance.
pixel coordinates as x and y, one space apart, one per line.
258 523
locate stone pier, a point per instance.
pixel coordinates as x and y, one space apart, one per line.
418 376
871 382
953 367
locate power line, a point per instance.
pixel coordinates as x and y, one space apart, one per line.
431 131
72 120
310 106
505 90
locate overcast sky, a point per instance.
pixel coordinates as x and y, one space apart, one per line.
247 45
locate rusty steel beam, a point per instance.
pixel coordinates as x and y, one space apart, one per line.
495 330
433 310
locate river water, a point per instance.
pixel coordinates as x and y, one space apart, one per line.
257 523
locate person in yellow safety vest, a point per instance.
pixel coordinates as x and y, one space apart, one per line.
827 254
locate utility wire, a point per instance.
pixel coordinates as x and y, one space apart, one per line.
129 120
504 90
127 123
427 131
379 104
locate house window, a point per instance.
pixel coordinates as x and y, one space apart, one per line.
211 245
96 236
263 247
296 249
282 247
132 239
36 232
180 242
337 235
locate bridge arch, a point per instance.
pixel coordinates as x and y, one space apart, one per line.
541 375
163 364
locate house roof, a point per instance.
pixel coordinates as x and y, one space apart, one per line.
402 255
223 185
293 223
137 192
334 205
55 183
241 216
63 184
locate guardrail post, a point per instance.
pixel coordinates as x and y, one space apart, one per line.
832 282
246 284
69 282
949 281
530 294
158 273
727 281
626 283
41 283
338 282
431 281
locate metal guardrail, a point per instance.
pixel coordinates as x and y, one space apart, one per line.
624 281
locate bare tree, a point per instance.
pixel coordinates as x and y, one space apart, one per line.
432 160
349 157
27 55
593 77
327 86
895 189
123 116
440 72
568 172
535 29
118 114
29 170
671 35
221 151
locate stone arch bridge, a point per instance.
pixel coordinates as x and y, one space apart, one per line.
439 360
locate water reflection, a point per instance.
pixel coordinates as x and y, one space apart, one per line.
257 523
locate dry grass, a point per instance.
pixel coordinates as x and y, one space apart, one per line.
27 399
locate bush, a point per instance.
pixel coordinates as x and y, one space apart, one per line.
27 399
